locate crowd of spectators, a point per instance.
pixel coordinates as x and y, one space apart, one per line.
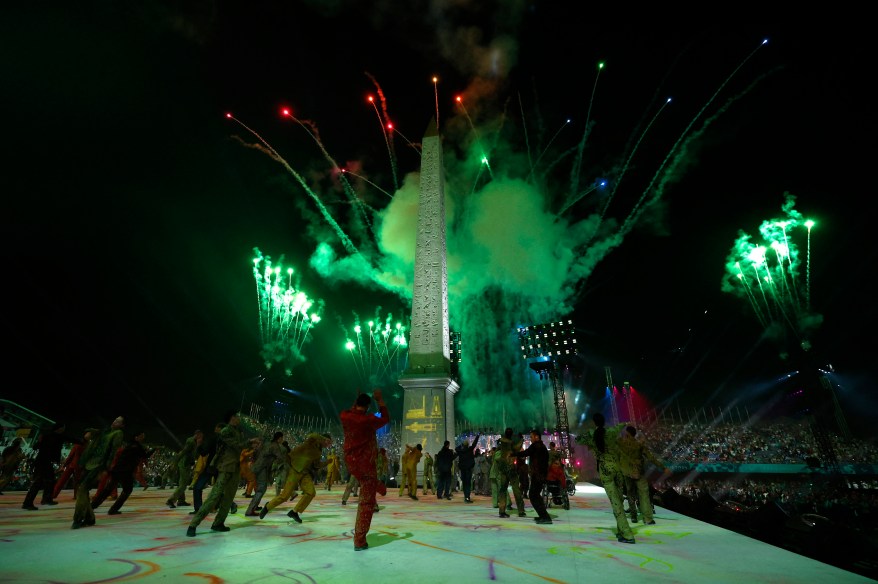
779 441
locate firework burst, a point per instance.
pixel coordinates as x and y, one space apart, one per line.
286 313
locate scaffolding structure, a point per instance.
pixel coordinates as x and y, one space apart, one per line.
545 347
629 401
612 391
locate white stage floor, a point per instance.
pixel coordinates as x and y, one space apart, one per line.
426 541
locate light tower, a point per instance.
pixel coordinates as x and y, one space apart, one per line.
546 347
612 390
629 401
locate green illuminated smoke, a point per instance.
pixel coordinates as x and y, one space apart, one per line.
513 258
773 275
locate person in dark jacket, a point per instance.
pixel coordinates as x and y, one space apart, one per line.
122 472
443 461
96 460
49 446
268 455
9 460
227 461
539 467
207 449
466 461
184 461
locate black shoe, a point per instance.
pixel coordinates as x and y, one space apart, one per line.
504 515
193 512
448 497
263 512
413 497
49 503
183 503
625 539
295 516
233 509
361 548
376 509
220 527
467 500
649 522
190 531
30 507
77 525
170 504
634 520
257 508
114 512
344 502
522 514
547 521
89 522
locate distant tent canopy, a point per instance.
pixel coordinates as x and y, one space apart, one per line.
19 422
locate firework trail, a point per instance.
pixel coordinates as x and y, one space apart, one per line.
536 164
577 163
311 128
484 155
366 180
628 163
388 136
415 146
635 212
268 149
436 94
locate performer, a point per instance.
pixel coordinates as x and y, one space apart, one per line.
429 488
304 462
360 454
333 473
122 472
410 460
633 456
604 444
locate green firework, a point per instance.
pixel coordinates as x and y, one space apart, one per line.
286 313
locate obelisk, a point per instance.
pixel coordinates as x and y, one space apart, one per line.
429 390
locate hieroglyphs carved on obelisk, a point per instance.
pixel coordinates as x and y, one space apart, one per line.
428 405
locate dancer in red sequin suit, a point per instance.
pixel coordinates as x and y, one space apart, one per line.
360 452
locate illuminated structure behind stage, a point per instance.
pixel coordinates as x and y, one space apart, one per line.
547 347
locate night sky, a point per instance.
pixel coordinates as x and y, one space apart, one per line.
133 204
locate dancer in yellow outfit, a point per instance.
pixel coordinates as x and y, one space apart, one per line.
304 458
410 460
333 473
